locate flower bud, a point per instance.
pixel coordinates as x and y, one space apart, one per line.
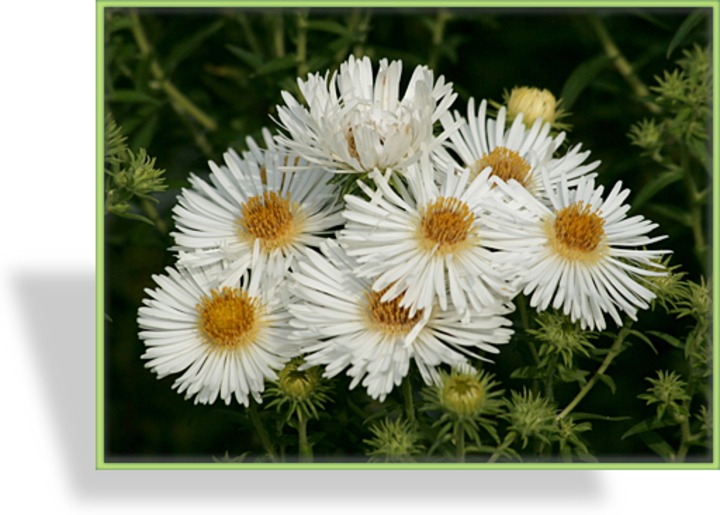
533 103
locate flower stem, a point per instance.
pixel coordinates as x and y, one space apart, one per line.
301 44
262 433
694 205
622 65
409 404
438 32
509 439
460 442
306 454
611 355
179 101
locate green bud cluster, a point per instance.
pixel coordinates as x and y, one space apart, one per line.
530 416
669 392
560 337
129 175
393 441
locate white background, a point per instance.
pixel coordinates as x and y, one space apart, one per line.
47 212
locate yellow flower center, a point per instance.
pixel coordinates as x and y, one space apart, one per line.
229 318
506 164
577 233
389 317
447 223
271 218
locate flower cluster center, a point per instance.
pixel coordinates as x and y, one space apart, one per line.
228 318
506 164
270 219
389 316
577 232
447 223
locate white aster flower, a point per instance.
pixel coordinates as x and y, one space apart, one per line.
518 152
353 327
251 211
428 240
356 122
223 340
582 254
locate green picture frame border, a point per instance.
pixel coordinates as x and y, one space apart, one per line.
101 5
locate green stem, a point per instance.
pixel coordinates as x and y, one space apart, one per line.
694 205
438 33
179 101
522 309
611 355
509 439
301 45
306 454
279 36
622 65
262 433
408 395
460 442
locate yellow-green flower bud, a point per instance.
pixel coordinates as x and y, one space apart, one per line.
533 103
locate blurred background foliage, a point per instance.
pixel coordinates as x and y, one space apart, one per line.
184 85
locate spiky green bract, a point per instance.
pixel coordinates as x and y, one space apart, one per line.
560 337
530 415
568 439
467 400
669 392
393 441
668 288
301 393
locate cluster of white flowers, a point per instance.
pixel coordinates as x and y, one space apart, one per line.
420 265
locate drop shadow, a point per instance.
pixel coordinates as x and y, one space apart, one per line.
63 348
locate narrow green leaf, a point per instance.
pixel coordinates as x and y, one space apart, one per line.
657 184
130 96
644 426
186 47
608 381
592 416
658 445
328 26
668 338
254 61
580 78
276 65
673 213
644 338
685 28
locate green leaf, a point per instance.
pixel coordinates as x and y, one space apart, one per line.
658 445
646 425
130 96
673 213
525 373
254 61
593 416
668 338
608 381
580 78
685 28
276 65
183 49
654 186
328 26
567 375
644 338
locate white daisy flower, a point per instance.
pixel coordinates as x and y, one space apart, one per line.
583 254
251 211
520 153
428 240
356 122
223 340
353 327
